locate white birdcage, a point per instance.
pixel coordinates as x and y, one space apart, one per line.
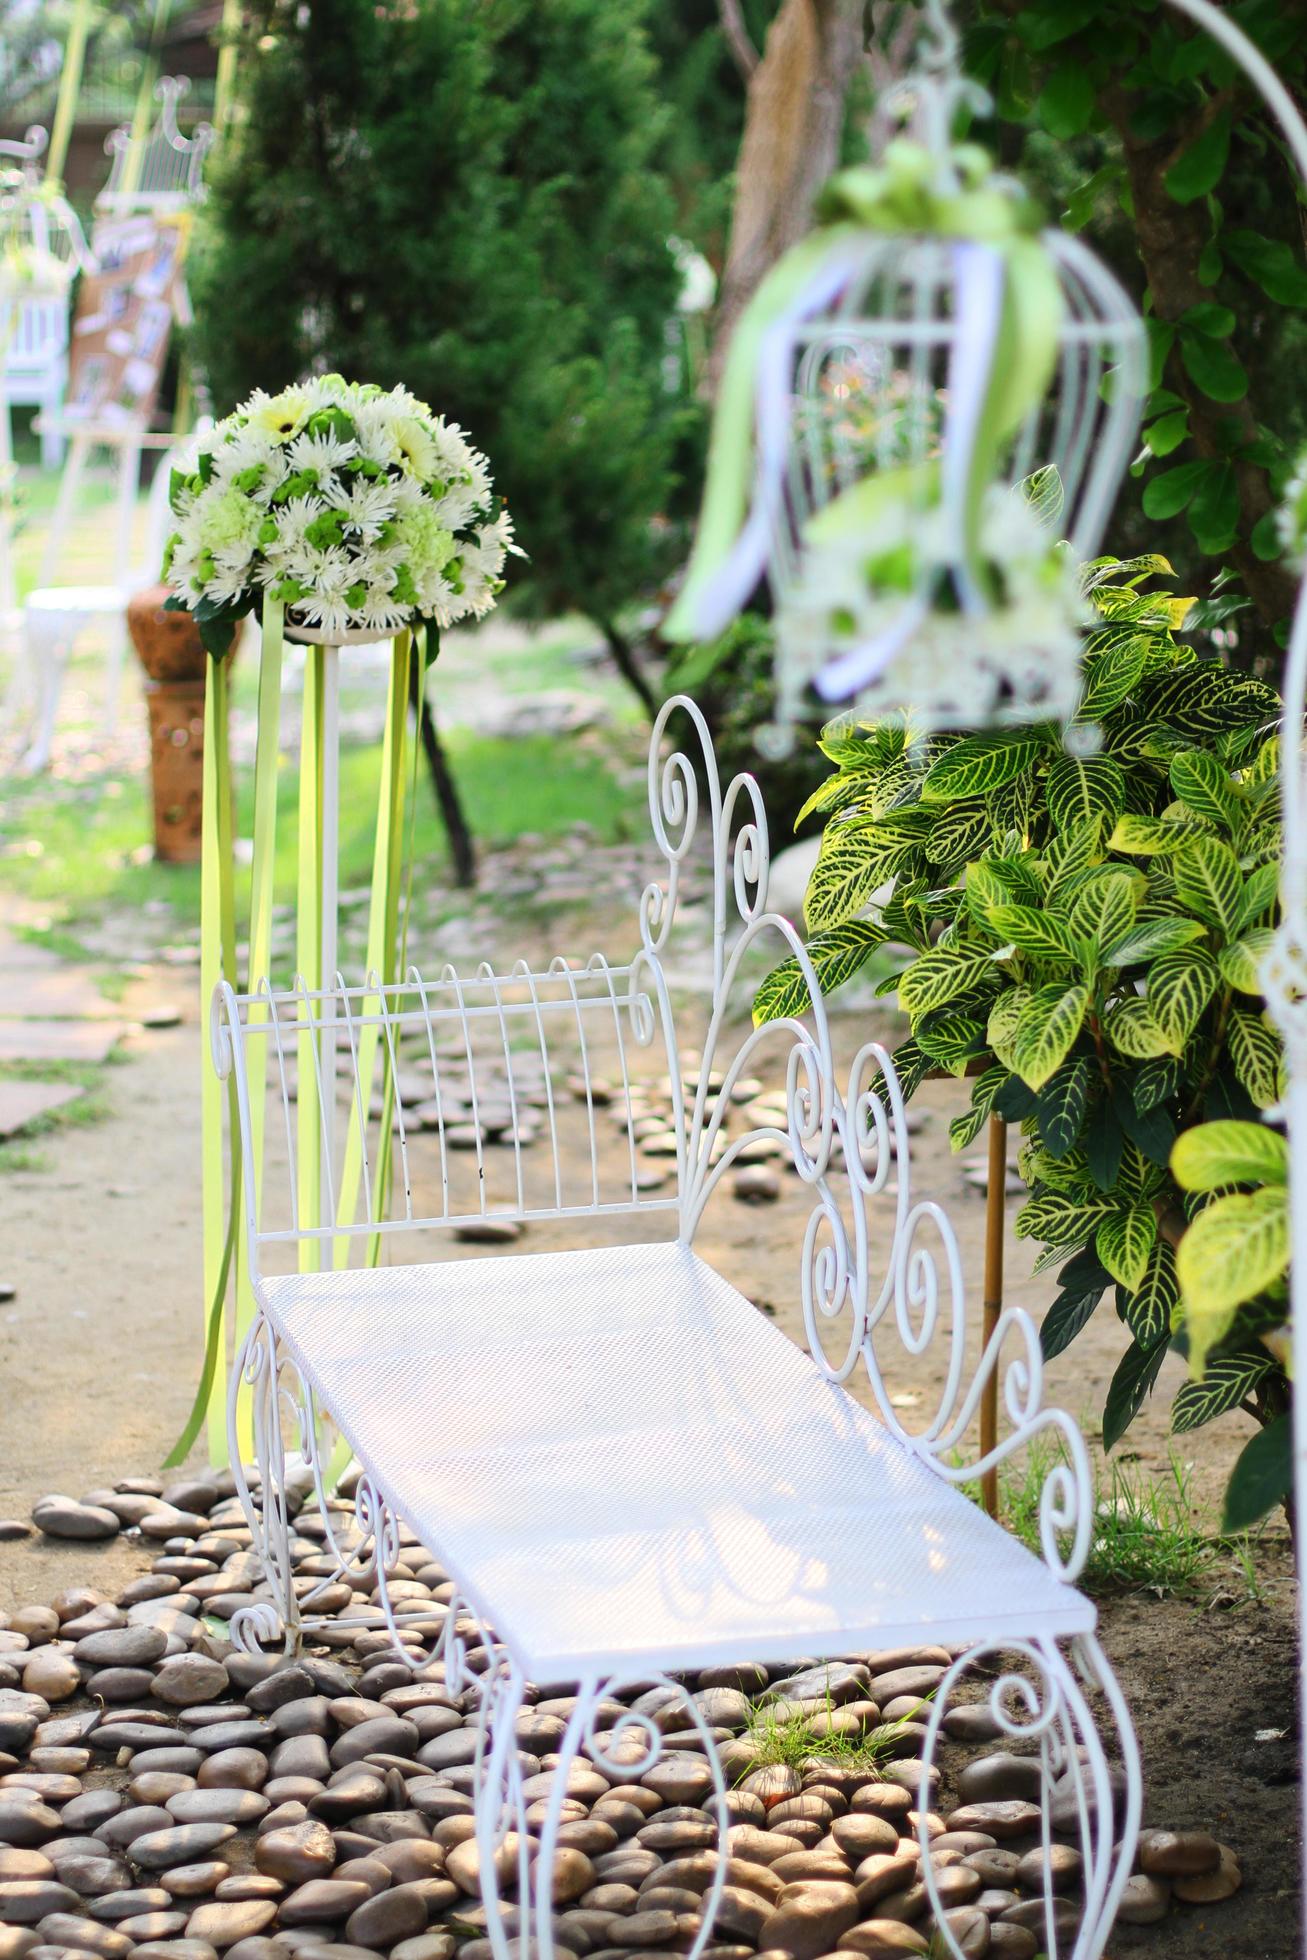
42 244
157 168
944 397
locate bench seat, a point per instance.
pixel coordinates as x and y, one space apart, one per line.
625 1466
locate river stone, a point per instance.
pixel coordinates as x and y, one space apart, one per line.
861 1833
136 1899
1178 1854
248 1885
185 1680
217 1806
884 1874
991 1778
387 1735
224 1921
1011 1942
20 1715
92 1876
63 1517
17 1941
740 1915
830 1864
159 1925
52 1673
883 1939
324 1899
1206 1888
26 1824
426 1946
1061 1866
1008 1818
301 1755
180 1949
810 1919
233 1769
359 1790
26 1901
129 1646
193 1881
889 1800
183 1844
23 1864
155 1786
398 1914
296 1853
72 1930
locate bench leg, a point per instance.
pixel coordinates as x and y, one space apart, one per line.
1038 1695
517 1847
263 1368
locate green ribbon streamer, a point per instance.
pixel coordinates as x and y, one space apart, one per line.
217 962
308 944
900 197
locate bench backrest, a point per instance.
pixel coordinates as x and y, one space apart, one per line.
511 1100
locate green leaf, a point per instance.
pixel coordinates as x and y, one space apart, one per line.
1001 1029
1257 1055
1080 791
1151 836
1269 263
1064 1319
1215 369
1241 961
1168 432
1149 1308
957 833
1199 168
1262 1476
1260 892
1214 507
1050 1022
1110 677
1062 1104
1156 1082
1041 934
1217 322
1132 1031
1123 1243
1168 493
1105 910
836 956
1104 1144
1062 1221
1209 883
1231 1252
1227 1379
1203 786
1150 940
1213 1155
966 1128
1130 1385
943 976
855 861
952 1040
1014 1102
1179 988
1152 1131
1265 537
1066 101
979 764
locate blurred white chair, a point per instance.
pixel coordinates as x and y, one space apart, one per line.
36 369
55 616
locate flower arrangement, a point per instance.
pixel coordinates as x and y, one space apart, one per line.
352 507
877 613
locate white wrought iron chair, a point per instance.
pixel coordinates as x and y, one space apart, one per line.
627 1471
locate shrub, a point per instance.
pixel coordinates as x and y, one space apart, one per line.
1086 924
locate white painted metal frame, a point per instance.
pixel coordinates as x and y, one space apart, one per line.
863 1295
168 173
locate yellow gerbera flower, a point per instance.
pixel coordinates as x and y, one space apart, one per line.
281 416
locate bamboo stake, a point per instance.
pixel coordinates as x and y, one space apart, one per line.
70 82
995 1196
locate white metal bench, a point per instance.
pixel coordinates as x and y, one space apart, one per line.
627 1471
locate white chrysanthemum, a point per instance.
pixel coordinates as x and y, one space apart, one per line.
365 504
324 452
376 434
292 520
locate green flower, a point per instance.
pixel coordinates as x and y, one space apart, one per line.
428 546
229 522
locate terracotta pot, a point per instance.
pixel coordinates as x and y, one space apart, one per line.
168 644
177 767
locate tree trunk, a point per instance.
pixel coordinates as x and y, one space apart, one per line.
625 662
461 848
792 129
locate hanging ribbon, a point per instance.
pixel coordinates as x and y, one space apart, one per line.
1008 294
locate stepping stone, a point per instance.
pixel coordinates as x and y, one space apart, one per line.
58 1041
69 990
22 1102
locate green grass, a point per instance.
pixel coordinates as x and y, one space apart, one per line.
794 1741
1149 1535
22 1152
84 848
